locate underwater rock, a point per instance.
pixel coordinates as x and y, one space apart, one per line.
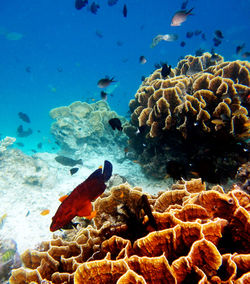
24 170
116 180
203 235
197 117
82 126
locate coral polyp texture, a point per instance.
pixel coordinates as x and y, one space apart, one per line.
81 124
6 142
197 117
187 235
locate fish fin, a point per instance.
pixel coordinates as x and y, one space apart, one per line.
85 210
107 172
96 174
79 162
92 215
62 198
189 12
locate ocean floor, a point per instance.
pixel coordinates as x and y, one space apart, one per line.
31 184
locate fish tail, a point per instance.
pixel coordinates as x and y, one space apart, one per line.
189 12
79 162
107 171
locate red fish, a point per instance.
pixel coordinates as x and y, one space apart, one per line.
78 203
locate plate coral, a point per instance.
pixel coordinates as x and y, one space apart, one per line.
202 236
197 118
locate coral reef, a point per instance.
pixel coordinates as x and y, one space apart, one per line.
243 176
6 142
197 118
81 125
9 258
202 236
35 172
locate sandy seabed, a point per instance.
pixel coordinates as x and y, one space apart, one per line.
23 203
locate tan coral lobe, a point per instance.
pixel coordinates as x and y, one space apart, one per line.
190 242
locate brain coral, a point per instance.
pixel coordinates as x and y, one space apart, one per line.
82 123
202 237
196 116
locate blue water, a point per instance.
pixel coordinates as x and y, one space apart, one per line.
65 58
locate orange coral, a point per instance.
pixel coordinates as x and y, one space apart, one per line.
192 242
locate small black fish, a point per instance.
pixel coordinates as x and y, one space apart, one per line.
239 48
69 226
28 69
143 78
99 34
184 5
189 34
23 133
199 52
104 95
59 69
214 56
115 123
34 151
65 161
20 144
79 4
119 43
197 32
165 70
73 171
94 7
218 34
246 54
216 41
112 2
203 36
24 117
40 145
142 129
105 82
157 65
125 11
182 44
142 59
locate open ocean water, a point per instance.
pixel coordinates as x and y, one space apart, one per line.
53 54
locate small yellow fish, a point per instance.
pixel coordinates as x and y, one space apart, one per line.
2 220
245 134
240 111
247 124
217 122
45 212
62 198
196 174
8 255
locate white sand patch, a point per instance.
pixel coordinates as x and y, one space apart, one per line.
23 203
